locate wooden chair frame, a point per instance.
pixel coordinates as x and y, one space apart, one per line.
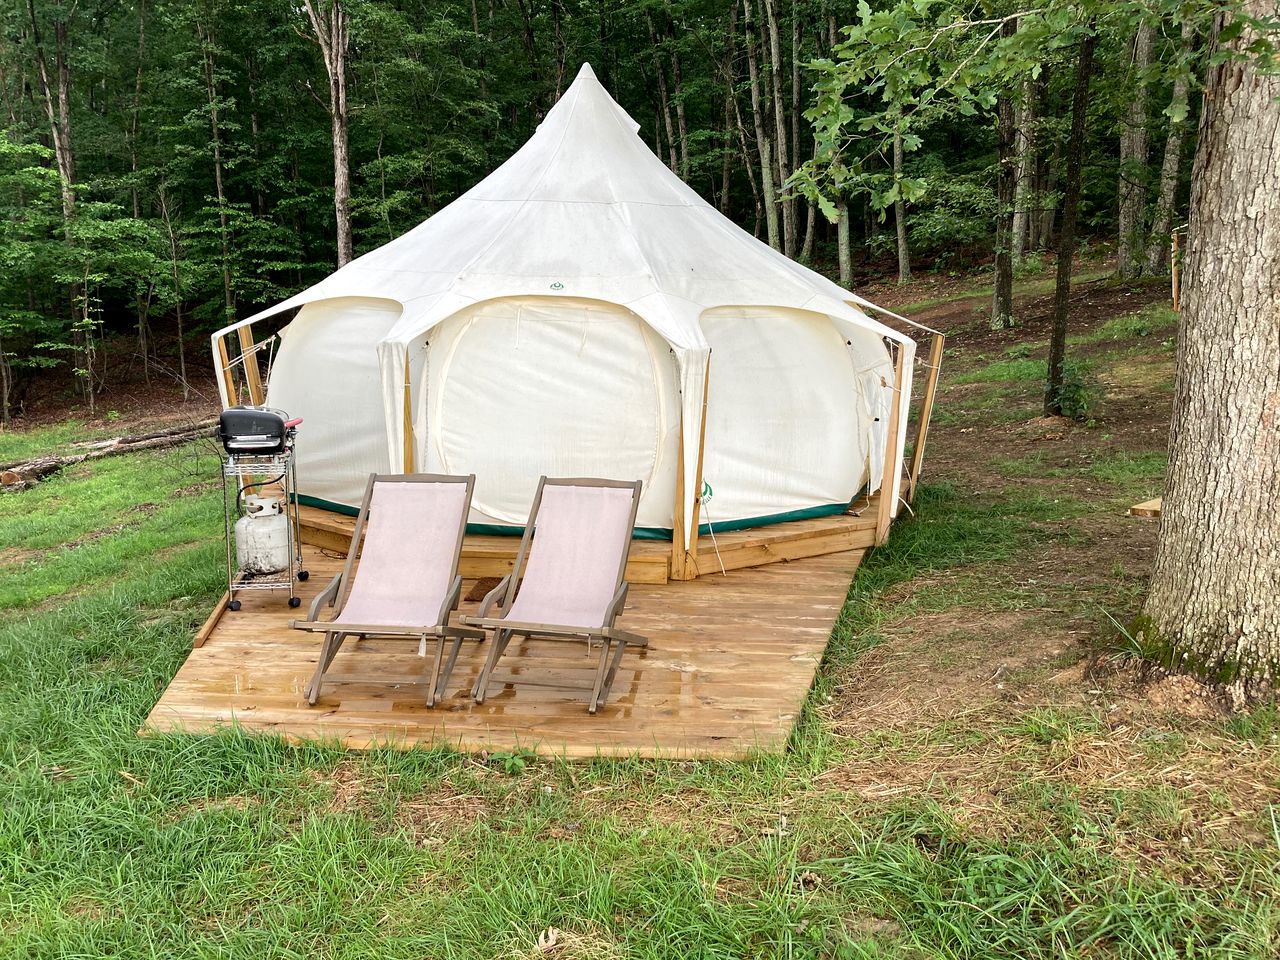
613 642
339 590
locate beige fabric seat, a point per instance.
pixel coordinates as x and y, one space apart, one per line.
576 541
401 577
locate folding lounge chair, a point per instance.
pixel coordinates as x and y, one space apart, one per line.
407 583
577 540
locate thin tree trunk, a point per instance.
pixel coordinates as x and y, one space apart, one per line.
331 29
900 213
664 101
1006 185
59 118
780 129
677 91
1067 233
844 250
1214 605
1025 149
229 303
557 22
167 215
1134 150
730 109
1162 221
762 138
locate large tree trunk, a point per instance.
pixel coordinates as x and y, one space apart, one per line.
1134 150
1006 185
900 213
1067 233
770 199
332 36
1162 221
1214 605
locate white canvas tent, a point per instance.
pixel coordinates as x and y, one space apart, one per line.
570 315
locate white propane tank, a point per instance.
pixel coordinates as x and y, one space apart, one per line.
262 536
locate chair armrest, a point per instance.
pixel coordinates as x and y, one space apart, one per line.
329 594
493 596
450 602
617 604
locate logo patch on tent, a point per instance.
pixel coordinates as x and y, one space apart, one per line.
557 285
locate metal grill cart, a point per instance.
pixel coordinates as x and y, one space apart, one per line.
265 481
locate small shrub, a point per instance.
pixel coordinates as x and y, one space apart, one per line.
1077 395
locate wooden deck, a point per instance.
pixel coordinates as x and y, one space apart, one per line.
730 661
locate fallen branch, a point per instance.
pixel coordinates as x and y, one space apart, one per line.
23 474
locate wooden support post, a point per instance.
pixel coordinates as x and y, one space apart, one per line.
408 418
228 381
885 514
249 360
684 562
926 413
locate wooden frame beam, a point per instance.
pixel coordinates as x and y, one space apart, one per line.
684 561
884 515
926 413
249 360
408 417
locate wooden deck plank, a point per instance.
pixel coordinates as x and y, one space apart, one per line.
730 661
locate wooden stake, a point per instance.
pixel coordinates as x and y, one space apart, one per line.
249 360
926 412
408 419
885 514
691 556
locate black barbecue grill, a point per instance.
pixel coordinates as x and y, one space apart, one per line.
260 431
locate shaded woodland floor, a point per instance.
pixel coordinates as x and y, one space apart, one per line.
982 770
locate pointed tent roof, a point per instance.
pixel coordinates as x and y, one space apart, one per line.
585 209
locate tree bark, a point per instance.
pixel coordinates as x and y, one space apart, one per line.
332 35
1214 604
1067 233
762 138
1162 221
1006 186
1134 151
844 250
900 214
1025 151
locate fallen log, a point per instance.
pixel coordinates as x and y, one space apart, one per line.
22 474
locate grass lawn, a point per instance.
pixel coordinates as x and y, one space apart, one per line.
980 772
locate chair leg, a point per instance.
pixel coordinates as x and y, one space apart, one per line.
607 670
328 650
496 649
442 680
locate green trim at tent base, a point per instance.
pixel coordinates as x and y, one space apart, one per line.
640 533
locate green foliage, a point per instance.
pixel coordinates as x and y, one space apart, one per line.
1077 395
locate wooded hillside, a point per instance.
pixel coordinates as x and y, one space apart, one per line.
168 165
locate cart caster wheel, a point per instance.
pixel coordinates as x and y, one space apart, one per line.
233 605
304 575
295 601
